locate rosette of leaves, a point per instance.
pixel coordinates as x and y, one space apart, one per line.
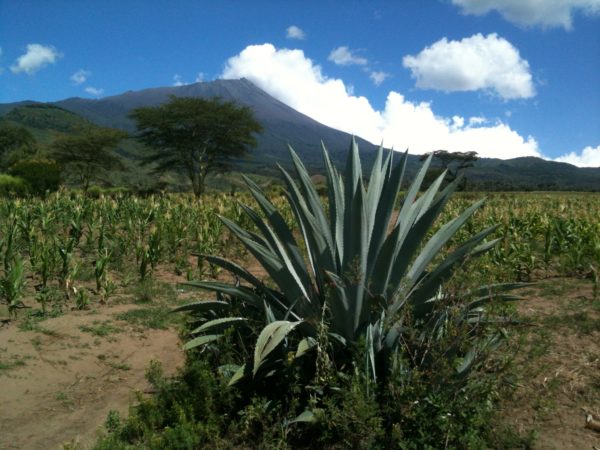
356 269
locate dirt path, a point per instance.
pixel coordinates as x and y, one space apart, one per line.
60 380
557 366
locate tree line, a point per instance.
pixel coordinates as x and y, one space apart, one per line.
195 136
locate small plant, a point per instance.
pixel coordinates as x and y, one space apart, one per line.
12 286
113 421
100 329
155 318
82 299
49 297
100 266
11 364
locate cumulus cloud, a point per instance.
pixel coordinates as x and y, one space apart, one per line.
378 77
178 81
479 62
296 80
36 57
294 32
546 13
80 76
589 157
96 92
343 56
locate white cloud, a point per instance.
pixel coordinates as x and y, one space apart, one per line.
294 32
547 13
37 57
294 79
589 157
488 63
343 56
378 77
178 81
80 76
96 92
200 77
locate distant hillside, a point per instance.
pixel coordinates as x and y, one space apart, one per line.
46 121
282 125
529 173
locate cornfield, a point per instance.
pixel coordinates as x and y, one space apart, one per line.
68 243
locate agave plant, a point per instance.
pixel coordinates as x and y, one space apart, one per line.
362 269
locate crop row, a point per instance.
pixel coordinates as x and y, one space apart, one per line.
68 241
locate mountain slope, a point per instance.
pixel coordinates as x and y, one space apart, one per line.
529 173
284 125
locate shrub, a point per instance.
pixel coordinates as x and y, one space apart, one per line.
42 175
11 186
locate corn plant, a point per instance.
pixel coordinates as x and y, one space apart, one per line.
359 282
65 251
7 243
45 260
100 272
12 285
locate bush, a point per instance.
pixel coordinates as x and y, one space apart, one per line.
11 186
187 412
42 175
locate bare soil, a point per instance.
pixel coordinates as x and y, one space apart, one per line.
59 380
65 379
558 366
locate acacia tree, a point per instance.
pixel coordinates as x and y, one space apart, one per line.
195 135
454 162
89 155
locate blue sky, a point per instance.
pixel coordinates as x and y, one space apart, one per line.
505 78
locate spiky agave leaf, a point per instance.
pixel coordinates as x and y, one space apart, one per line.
356 272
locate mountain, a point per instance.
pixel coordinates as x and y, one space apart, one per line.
282 125
530 173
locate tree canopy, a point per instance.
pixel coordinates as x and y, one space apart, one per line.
453 162
195 135
16 142
89 155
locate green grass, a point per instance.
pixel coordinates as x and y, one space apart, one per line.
581 322
150 290
118 365
9 365
100 329
153 317
113 364
31 321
